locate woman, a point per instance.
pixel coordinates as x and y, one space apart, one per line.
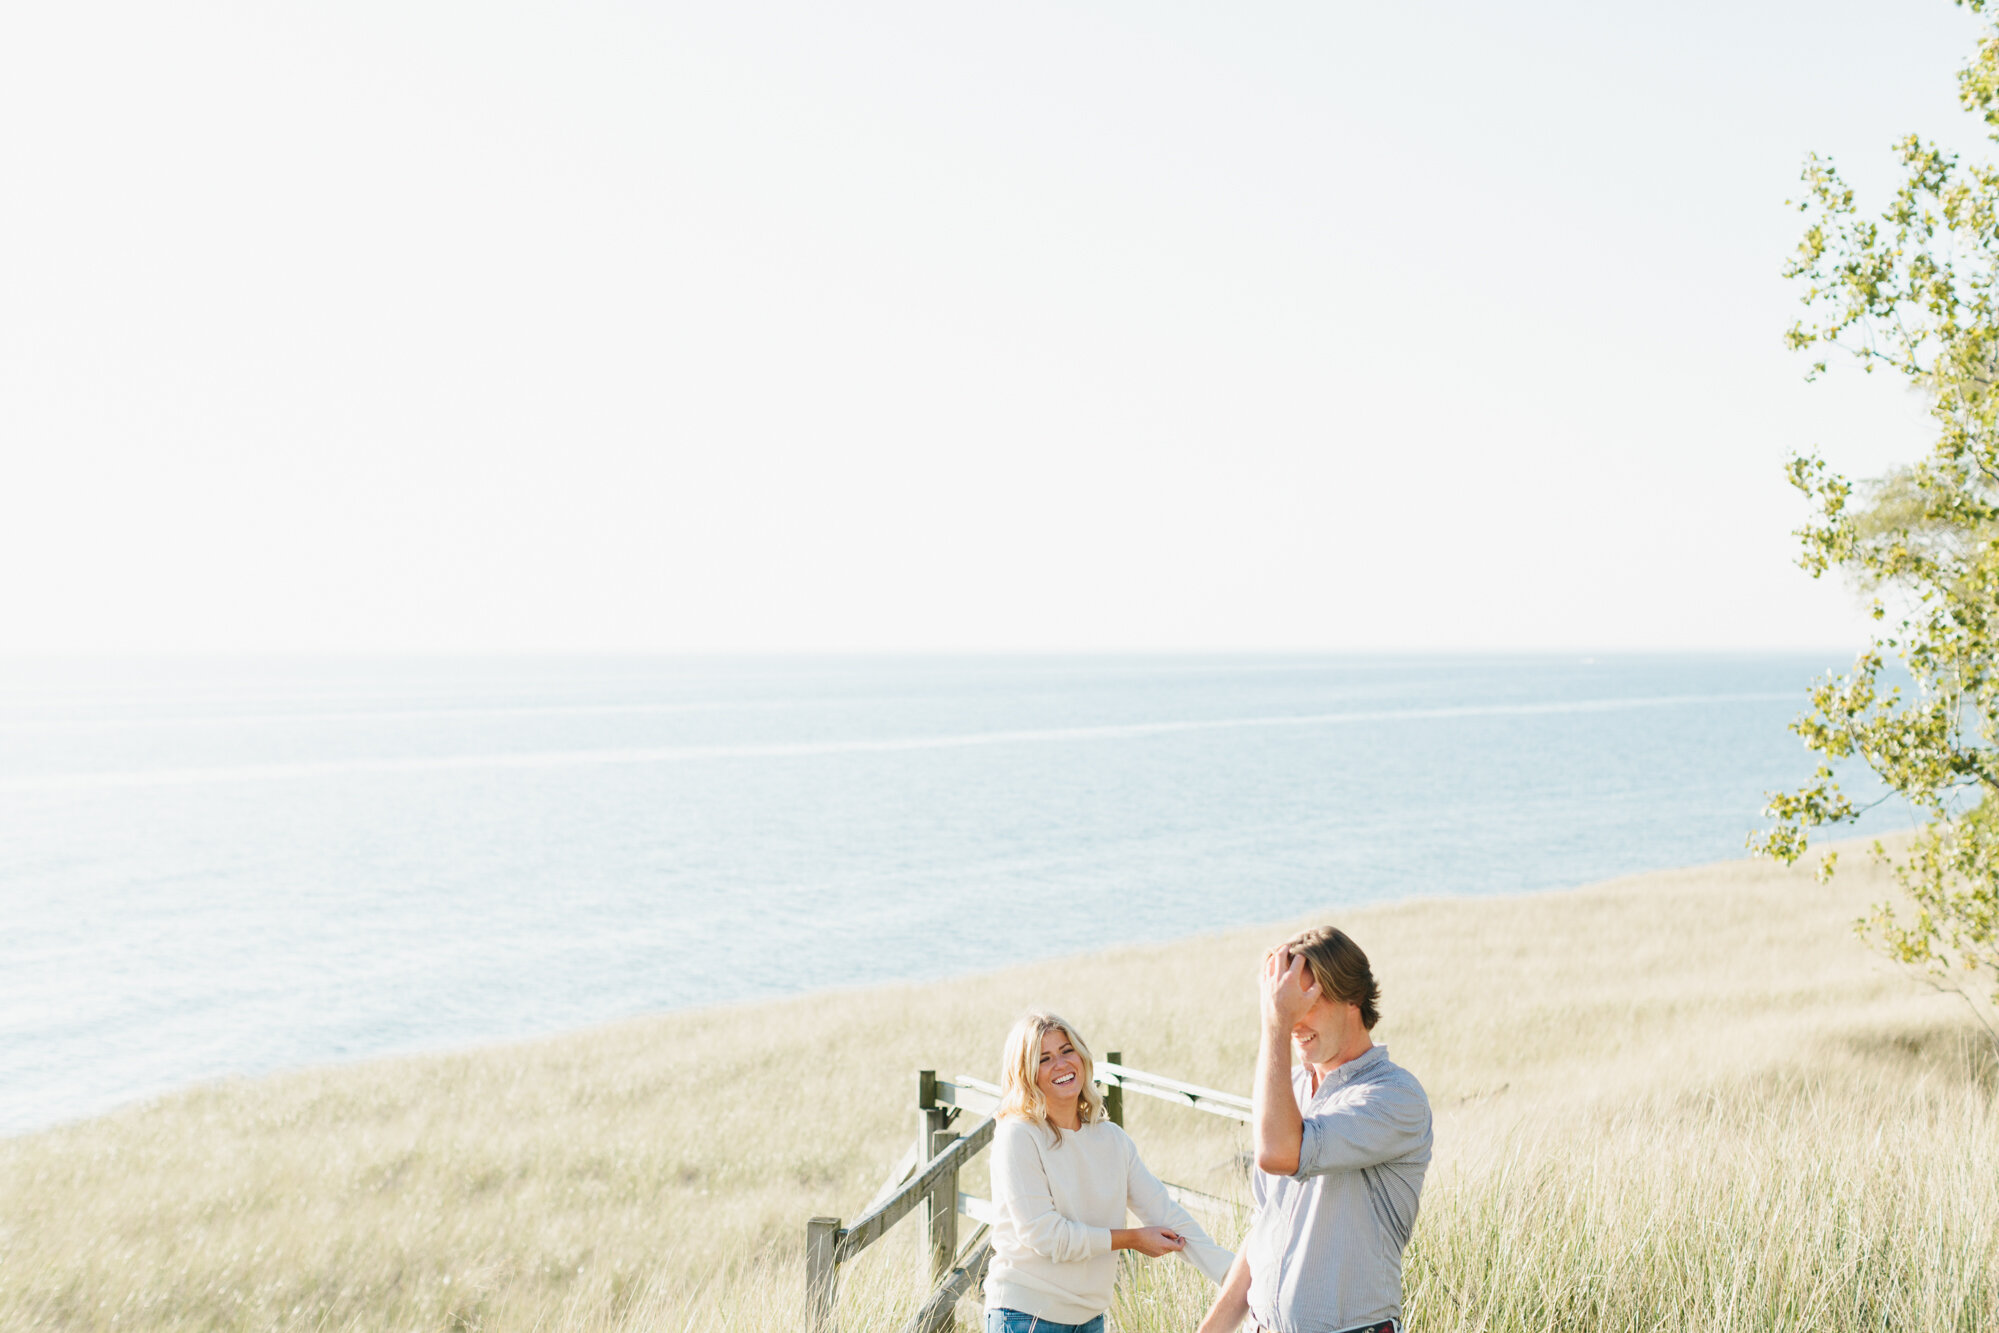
1063 1177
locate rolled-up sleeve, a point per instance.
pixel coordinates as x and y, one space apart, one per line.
1020 1185
1378 1123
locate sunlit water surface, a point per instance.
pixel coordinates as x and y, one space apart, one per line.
215 868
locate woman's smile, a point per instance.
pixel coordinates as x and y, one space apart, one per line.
1059 1068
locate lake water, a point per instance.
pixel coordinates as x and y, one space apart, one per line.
216 868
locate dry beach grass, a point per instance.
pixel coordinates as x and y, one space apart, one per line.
1686 1099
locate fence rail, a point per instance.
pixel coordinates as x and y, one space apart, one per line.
1225 1104
925 1180
914 1193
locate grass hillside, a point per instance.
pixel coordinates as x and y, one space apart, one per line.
1685 1099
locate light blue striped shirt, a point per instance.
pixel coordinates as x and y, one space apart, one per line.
1325 1245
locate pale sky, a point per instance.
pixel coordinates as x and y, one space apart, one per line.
754 325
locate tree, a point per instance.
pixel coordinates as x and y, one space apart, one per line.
1916 293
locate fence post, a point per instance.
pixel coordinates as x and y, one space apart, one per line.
943 1209
821 1275
938 1209
1114 1095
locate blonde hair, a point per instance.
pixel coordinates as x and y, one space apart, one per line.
1020 1059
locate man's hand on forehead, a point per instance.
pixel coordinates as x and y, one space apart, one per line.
1289 986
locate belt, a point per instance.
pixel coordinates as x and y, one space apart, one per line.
1385 1326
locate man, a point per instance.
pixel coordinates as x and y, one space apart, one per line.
1341 1146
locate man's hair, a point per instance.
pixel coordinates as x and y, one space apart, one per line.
1340 968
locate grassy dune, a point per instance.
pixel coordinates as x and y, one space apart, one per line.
1686 1099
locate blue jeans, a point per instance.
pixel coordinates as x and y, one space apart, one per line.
1013 1321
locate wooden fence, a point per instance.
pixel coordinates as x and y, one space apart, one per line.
925 1181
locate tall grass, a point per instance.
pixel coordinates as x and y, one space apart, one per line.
1843 1193
1683 1100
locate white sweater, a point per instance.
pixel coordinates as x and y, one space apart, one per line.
1057 1204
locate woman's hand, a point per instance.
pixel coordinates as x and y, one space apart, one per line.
1149 1241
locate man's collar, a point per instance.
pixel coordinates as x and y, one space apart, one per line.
1340 1077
